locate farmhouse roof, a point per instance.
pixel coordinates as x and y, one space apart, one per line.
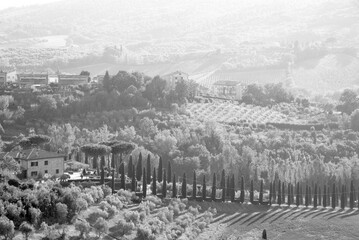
227 83
31 154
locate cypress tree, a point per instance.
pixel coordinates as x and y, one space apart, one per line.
279 193
319 196
174 187
102 180
328 196
337 189
123 177
358 198
139 167
292 192
113 165
133 180
283 193
144 184
289 195
103 162
160 167
242 190
233 192
204 189
333 197
274 195
307 196
194 193
223 186
113 181
297 195
130 167
270 193
154 183
184 186
251 194
310 195
228 189
214 186
164 184
261 193
169 172
351 201
342 198
148 167
315 196
325 196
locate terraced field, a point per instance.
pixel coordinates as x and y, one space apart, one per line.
227 112
246 222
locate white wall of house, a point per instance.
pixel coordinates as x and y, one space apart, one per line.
52 166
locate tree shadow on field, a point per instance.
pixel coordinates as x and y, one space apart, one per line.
232 218
275 213
220 218
296 210
332 213
314 211
238 220
279 216
302 212
351 214
340 212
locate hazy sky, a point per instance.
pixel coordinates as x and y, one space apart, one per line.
20 3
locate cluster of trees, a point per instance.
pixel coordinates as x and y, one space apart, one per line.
266 95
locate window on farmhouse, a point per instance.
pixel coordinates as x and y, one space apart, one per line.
33 174
57 171
46 162
34 164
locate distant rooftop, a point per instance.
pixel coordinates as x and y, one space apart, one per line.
226 83
31 154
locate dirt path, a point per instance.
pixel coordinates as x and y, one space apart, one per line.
246 222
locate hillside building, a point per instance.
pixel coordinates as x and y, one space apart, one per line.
26 80
37 162
3 77
228 89
172 78
67 80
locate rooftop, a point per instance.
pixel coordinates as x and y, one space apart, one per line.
226 83
31 154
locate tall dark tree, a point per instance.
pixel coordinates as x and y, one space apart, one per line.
307 196
130 167
160 169
107 83
289 194
270 193
279 193
352 194
233 190
113 181
184 186
214 187
169 172
283 193
204 189
194 193
342 198
328 196
148 167
154 183
133 179
123 177
274 196
102 180
310 195
228 185
164 184
174 187
251 193
315 196
333 197
297 194
325 196
261 193
319 196
139 167
144 184
223 185
242 190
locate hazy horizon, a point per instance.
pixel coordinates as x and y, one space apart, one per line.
23 3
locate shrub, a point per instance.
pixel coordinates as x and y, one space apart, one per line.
7 228
193 210
26 229
83 227
81 204
144 233
101 226
35 216
132 216
95 214
61 212
124 227
115 200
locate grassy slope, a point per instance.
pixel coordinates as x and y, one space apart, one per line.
247 222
